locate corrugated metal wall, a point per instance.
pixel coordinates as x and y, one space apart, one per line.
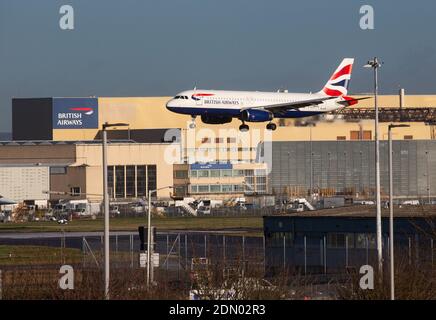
341 166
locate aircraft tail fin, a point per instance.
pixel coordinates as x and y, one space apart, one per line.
337 86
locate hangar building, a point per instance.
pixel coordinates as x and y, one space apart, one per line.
46 129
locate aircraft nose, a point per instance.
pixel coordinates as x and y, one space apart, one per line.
171 104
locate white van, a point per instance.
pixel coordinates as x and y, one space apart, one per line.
411 203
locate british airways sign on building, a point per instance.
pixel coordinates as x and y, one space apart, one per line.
211 166
75 113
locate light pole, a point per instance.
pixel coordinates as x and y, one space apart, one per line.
106 207
150 192
311 163
391 208
375 64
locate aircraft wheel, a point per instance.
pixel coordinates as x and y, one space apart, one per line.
271 126
243 127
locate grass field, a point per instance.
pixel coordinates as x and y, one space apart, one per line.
36 255
131 224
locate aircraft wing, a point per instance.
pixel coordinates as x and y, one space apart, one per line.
4 201
283 107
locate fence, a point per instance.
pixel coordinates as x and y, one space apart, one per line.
233 253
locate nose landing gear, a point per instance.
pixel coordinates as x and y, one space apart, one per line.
192 124
271 126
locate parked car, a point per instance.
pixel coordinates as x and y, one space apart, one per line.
63 221
411 203
365 202
114 211
138 208
203 210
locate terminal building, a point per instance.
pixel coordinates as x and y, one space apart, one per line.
332 154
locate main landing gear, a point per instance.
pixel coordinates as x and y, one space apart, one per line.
271 126
192 124
243 127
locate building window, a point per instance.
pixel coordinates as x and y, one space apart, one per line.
75 191
260 180
58 170
141 180
226 173
215 188
152 178
205 140
215 173
130 181
180 190
238 173
361 135
219 140
119 181
203 188
110 181
231 140
408 137
193 173
238 188
227 188
194 188
203 173
341 138
181 174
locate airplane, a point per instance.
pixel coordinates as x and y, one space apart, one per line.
220 106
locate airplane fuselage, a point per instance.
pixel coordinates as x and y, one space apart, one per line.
231 103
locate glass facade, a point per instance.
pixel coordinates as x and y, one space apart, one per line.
131 181
141 178
215 173
218 181
216 188
119 182
151 177
110 181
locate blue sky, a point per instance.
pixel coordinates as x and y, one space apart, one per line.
154 48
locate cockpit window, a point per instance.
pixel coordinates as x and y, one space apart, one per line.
177 97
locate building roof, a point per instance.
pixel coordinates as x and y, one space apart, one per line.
164 135
365 211
52 143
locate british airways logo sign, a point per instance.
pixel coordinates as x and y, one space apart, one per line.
75 113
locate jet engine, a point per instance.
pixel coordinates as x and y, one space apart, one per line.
256 115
